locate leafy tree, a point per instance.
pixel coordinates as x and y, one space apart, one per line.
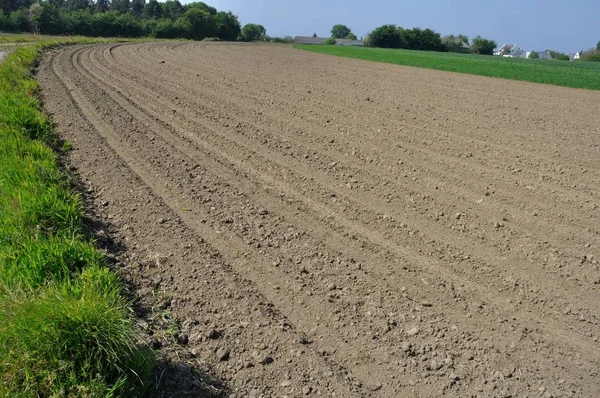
198 24
424 40
387 36
102 5
46 18
533 55
253 32
172 9
562 57
463 38
73 5
483 46
137 7
204 7
153 9
120 5
598 46
8 6
227 26
330 41
340 31
351 36
19 20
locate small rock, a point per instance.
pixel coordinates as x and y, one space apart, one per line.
162 220
223 354
508 372
406 346
105 203
214 334
413 331
266 360
285 383
331 286
263 212
306 390
374 386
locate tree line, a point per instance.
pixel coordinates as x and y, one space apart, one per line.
125 18
392 36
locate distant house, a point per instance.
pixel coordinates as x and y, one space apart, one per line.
571 56
321 40
578 55
511 51
541 54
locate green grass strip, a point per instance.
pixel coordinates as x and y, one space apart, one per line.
65 328
577 74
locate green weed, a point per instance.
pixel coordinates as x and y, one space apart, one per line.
65 329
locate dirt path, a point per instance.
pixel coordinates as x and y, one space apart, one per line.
325 226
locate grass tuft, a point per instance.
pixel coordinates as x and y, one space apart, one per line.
65 329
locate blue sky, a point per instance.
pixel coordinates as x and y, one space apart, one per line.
563 25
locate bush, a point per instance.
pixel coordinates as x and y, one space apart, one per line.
483 46
387 36
330 41
253 32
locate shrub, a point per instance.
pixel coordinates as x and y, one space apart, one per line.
387 36
330 41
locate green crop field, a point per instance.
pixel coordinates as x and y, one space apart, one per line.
560 73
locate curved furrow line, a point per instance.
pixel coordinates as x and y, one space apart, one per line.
491 202
407 256
408 141
534 151
171 105
229 246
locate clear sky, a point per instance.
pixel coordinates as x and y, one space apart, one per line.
562 25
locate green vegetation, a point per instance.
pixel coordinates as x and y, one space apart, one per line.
253 32
119 18
65 328
330 41
569 74
341 32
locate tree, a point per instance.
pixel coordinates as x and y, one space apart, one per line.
173 10
8 6
102 5
120 5
533 55
203 6
137 7
598 46
340 31
387 36
330 41
562 57
253 32
227 25
423 40
198 24
483 46
153 9
351 36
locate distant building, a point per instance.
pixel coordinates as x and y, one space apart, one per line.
578 55
541 54
511 51
321 40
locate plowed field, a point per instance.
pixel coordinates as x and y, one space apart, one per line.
327 226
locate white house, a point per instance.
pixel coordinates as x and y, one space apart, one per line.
511 51
541 54
578 55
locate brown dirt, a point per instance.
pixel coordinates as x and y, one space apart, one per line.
327 226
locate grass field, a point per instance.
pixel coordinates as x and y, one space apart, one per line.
560 73
65 329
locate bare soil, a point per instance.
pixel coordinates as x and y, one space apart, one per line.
299 224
